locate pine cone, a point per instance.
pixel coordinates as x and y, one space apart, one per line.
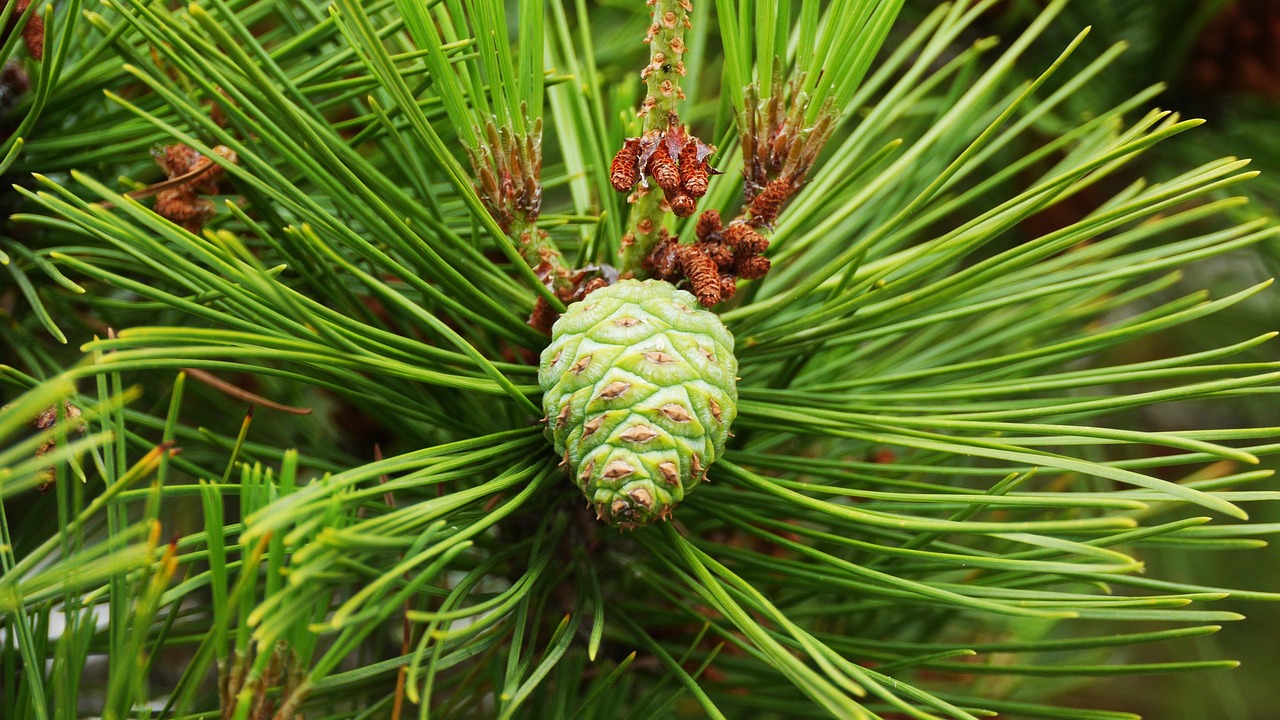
639 389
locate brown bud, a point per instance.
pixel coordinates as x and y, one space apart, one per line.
719 253
624 172
662 168
703 275
744 239
694 173
708 224
766 206
217 113
664 260
695 179
177 159
592 285
683 204
182 207
33 31
752 267
728 286
543 316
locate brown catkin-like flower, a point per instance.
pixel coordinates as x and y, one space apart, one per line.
624 172
180 204
728 286
693 172
664 261
766 206
543 316
704 278
32 32
177 159
663 169
719 253
589 287
683 205
744 239
218 113
751 267
182 207
708 224
207 181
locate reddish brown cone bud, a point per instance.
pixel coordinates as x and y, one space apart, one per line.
766 206
694 173
752 267
728 286
624 172
662 168
720 254
708 224
683 205
543 316
744 239
664 260
704 278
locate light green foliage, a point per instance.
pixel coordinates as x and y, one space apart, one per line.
639 389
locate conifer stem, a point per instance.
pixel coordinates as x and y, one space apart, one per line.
541 253
662 77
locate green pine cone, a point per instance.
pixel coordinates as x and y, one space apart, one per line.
639 387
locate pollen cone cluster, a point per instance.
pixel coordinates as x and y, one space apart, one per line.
674 160
639 388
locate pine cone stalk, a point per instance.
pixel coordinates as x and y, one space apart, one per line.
658 111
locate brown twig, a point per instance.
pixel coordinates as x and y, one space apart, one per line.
240 393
